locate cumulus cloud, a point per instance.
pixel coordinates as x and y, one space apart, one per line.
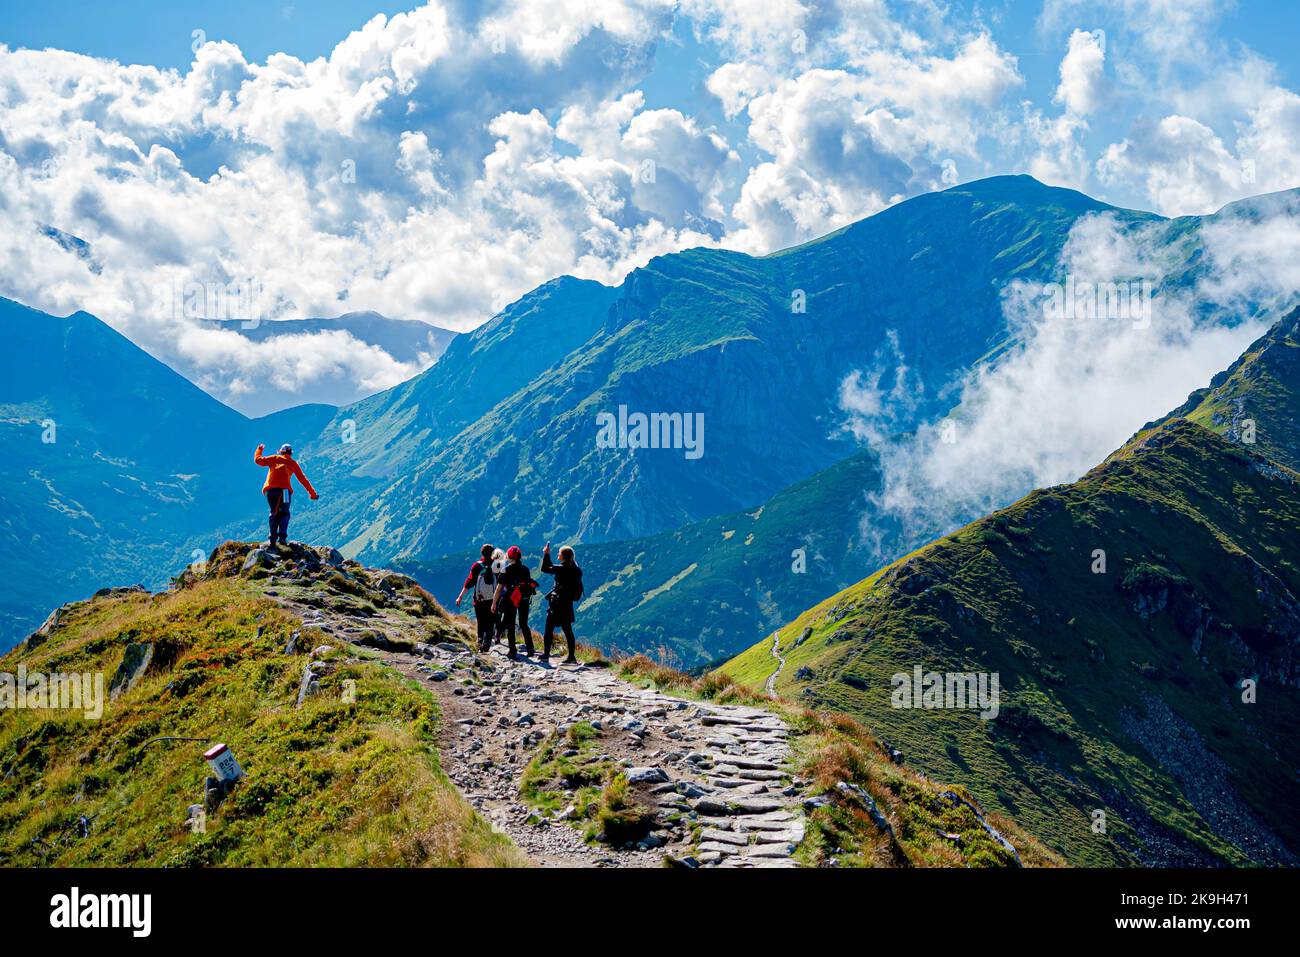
411 171
234 366
1182 164
1061 157
439 163
845 144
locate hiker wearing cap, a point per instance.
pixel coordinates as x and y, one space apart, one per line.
280 469
482 581
561 599
515 587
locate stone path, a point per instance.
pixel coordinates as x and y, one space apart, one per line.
715 774
770 685
715 777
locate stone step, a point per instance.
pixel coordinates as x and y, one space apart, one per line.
758 822
770 850
791 836
755 805
750 774
744 761
725 837
725 850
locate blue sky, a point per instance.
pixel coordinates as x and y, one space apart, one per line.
437 160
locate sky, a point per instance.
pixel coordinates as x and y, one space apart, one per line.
436 161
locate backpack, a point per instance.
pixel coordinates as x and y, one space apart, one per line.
523 592
485 585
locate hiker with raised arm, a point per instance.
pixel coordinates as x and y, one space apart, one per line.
515 588
281 468
561 600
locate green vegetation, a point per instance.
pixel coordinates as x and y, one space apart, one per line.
851 775
569 773
1119 688
1256 400
569 763
328 784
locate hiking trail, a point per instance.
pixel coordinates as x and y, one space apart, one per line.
770 685
715 777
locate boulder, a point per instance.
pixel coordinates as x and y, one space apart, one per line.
135 662
646 776
47 627
257 558
308 686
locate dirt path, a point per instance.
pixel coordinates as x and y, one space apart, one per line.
770 685
715 777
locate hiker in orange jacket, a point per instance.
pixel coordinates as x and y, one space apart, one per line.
278 489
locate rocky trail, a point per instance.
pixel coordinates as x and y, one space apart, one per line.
770 685
713 780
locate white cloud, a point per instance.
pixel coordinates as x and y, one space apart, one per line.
439 163
235 365
412 172
1182 164
1061 157
1021 422
846 144
1080 89
736 84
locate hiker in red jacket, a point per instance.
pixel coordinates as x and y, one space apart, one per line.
280 468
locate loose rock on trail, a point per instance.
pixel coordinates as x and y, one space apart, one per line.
714 778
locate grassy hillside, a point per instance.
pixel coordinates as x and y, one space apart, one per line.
866 810
1119 689
329 783
1256 400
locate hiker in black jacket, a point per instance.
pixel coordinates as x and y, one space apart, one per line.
483 583
515 587
566 593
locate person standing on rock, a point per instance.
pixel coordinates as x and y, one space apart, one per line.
278 489
483 584
561 599
514 594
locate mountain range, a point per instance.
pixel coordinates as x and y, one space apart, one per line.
1142 621
498 440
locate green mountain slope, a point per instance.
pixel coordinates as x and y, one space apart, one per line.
1120 691
1256 400
329 783
499 437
